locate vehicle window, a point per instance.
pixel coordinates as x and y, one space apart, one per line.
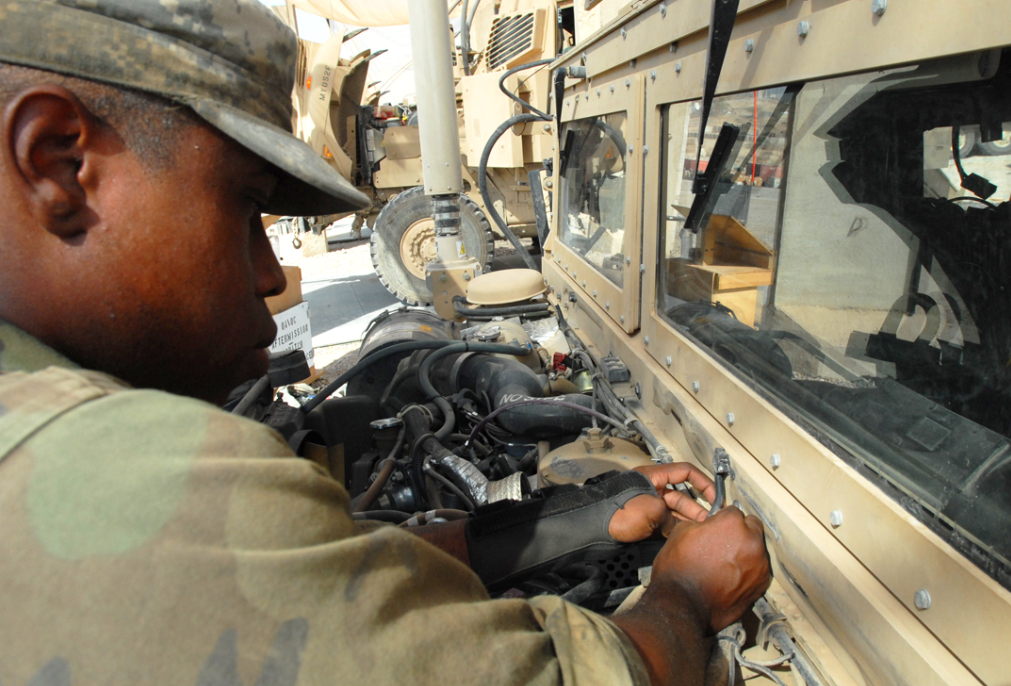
867 291
593 192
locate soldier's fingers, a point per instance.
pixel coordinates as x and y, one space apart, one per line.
681 504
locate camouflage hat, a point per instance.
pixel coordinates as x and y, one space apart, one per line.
231 61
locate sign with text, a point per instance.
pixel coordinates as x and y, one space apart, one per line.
293 331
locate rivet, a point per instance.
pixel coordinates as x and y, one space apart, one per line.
598 92
749 45
835 518
922 599
628 82
730 419
695 386
667 360
587 96
594 294
623 32
628 260
567 103
652 74
646 340
878 7
566 267
638 390
663 10
612 87
547 127
677 67
645 150
447 164
607 305
630 150
584 283
642 268
803 28
574 274
621 319
775 461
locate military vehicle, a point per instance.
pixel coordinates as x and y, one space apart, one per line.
771 254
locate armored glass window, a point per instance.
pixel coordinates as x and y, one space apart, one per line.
856 270
592 204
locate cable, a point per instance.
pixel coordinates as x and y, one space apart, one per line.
482 182
251 395
501 311
451 487
375 488
512 96
541 401
362 365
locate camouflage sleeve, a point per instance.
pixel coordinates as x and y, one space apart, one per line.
160 539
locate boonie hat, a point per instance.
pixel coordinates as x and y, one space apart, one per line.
231 61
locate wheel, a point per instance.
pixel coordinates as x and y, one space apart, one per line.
403 242
968 138
1001 147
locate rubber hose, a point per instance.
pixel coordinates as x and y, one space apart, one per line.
376 487
362 365
424 376
251 395
516 98
504 311
719 480
482 182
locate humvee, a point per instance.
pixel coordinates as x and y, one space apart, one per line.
790 265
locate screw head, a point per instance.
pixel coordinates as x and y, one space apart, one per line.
749 45
835 518
646 340
803 28
878 7
730 419
922 599
775 461
695 386
667 360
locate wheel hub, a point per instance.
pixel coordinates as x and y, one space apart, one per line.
417 246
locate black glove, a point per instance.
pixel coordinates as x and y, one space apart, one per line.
510 541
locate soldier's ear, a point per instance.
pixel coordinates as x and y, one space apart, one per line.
49 135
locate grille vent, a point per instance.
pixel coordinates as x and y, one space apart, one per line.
511 37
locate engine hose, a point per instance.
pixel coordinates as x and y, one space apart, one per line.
362 365
423 443
451 487
425 370
376 487
504 311
482 182
516 98
541 401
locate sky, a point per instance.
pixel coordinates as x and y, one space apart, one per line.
397 39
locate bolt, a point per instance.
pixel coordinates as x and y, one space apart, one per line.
775 461
549 183
547 127
835 519
695 386
612 87
642 269
632 64
447 164
668 360
803 28
673 47
730 419
442 278
623 32
645 150
583 57
574 275
630 150
567 103
598 92
621 319
663 10
607 305
652 74
466 276
749 45
646 340
638 390
878 7
594 294
584 283
587 96
922 599
628 260
677 67
628 83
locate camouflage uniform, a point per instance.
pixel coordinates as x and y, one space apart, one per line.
150 538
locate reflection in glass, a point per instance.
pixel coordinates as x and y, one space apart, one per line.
870 296
593 192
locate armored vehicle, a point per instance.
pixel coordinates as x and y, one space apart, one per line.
779 248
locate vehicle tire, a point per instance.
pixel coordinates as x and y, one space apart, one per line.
995 148
403 242
968 139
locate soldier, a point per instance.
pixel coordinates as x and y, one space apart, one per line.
147 535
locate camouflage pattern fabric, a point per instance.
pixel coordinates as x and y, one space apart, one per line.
150 538
231 61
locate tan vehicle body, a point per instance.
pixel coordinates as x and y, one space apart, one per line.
871 593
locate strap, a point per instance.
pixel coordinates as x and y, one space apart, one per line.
28 402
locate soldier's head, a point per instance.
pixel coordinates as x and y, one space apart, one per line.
139 143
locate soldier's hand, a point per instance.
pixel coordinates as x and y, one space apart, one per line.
722 563
643 515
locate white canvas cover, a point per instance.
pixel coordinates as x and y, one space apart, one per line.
360 12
